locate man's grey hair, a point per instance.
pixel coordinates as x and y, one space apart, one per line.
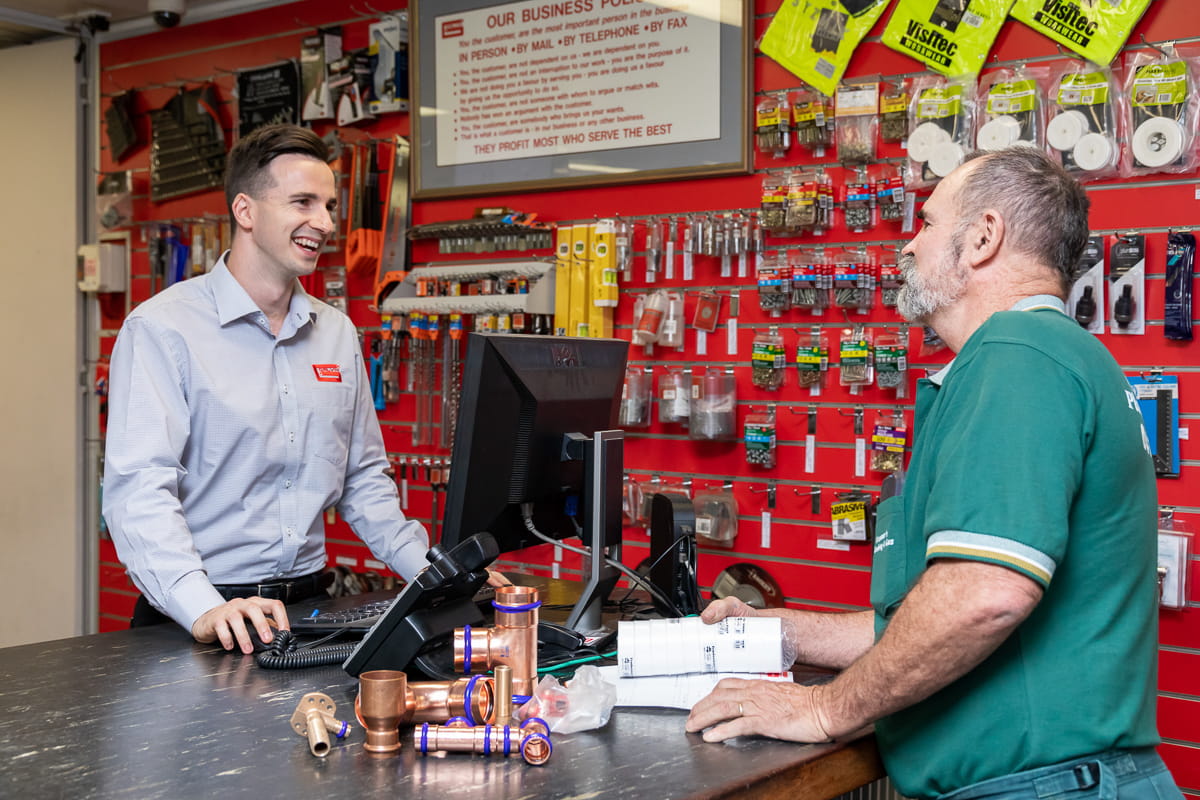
1045 210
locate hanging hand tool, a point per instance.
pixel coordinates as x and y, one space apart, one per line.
377 375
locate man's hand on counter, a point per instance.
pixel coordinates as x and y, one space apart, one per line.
227 622
739 707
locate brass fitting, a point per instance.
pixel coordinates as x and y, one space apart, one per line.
512 642
314 719
380 697
438 701
532 740
504 694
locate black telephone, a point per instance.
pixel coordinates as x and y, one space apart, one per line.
424 615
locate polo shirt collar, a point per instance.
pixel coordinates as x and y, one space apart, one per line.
1035 302
233 303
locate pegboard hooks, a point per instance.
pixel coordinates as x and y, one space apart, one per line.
1160 49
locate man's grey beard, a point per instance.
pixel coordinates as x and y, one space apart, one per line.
920 298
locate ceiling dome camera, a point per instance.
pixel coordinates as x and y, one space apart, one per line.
167 13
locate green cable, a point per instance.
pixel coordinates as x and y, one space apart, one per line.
572 663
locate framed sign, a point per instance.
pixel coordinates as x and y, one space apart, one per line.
546 95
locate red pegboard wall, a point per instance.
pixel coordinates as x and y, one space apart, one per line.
799 555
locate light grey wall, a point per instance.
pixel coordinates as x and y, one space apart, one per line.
40 541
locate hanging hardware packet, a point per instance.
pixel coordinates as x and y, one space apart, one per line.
1177 306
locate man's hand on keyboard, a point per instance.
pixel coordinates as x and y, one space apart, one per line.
227 622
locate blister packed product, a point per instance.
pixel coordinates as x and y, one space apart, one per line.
716 517
1160 91
1011 108
941 116
857 122
1082 123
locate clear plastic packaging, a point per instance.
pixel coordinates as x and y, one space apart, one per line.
854 357
631 501
773 125
673 391
889 440
758 433
648 318
811 281
1083 128
857 122
583 703
893 112
768 362
891 279
891 363
1011 109
812 118
774 285
114 200
812 360
859 204
854 281
804 202
658 486
941 113
889 193
1160 91
772 212
635 398
713 414
716 517
671 332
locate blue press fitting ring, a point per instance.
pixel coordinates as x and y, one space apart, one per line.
467 700
507 740
516 609
525 722
459 719
487 740
522 699
345 728
424 747
525 742
466 648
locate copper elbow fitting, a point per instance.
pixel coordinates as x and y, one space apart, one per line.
512 641
314 719
381 694
532 742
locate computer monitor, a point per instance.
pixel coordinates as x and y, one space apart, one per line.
536 426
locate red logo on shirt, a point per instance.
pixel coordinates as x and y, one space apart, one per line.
328 373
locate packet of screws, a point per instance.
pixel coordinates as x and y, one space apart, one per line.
891 363
857 122
888 442
811 283
859 205
812 360
759 436
893 113
854 283
767 360
812 117
773 125
855 357
889 193
774 285
890 280
772 213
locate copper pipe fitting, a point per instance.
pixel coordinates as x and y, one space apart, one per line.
501 740
535 741
380 695
314 719
512 642
504 694
438 701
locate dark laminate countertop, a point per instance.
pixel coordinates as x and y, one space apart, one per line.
150 714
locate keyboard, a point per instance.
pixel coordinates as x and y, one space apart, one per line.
357 613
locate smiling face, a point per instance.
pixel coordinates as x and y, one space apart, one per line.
291 218
931 263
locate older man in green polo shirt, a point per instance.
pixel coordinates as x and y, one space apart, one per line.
1011 647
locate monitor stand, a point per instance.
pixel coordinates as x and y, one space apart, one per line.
603 465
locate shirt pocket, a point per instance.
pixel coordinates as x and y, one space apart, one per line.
889 576
329 421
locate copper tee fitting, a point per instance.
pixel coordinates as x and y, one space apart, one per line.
314 719
379 706
438 701
512 642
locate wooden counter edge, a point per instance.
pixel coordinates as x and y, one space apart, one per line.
842 769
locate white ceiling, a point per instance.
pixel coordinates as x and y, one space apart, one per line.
28 21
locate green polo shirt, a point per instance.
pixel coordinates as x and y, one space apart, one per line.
1030 454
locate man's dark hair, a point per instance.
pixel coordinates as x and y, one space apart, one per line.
1045 210
246 168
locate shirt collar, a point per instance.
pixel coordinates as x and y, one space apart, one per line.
1035 302
233 303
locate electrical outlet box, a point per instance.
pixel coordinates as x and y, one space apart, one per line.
1173 556
102 267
